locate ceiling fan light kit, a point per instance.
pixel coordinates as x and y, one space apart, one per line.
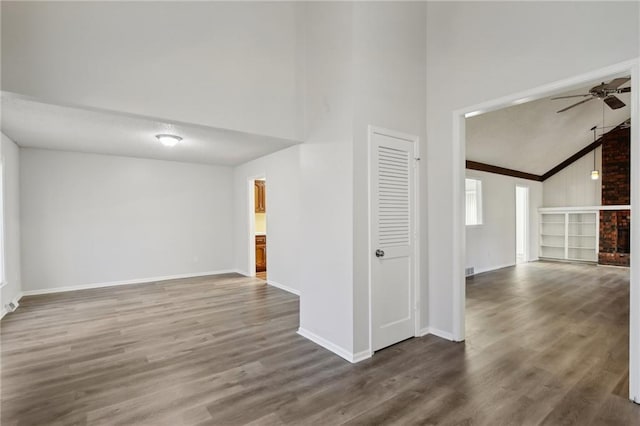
605 91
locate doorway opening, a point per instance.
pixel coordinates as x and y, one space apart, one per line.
522 224
561 233
258 227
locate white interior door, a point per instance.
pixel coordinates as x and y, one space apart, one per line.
392 239
522 224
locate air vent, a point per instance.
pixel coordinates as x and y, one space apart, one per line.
468 272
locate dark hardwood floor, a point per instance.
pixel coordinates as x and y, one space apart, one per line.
547 344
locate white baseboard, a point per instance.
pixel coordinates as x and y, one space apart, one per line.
361 356
283 287
341 352
492 268
15 301
125 282
436 332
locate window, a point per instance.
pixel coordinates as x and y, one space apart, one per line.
473 202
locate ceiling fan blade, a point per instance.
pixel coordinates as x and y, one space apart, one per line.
575 105
624 90
616 82
613 102
572 96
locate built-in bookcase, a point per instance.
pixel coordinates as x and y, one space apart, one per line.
569 235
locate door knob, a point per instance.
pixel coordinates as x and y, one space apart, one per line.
379 253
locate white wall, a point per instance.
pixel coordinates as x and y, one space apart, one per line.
10 157
90 218
284 239
355 76
573 186
390 85
222 64
479 51
326 175
492 245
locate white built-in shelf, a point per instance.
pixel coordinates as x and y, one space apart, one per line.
575 234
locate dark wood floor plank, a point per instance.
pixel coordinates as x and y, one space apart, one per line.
547 343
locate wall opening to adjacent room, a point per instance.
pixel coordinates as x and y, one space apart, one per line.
522 223
629 69
258 227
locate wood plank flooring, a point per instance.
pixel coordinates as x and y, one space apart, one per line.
547 344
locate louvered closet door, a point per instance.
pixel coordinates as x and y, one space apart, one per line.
392 223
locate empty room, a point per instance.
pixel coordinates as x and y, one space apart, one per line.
547 215
228 213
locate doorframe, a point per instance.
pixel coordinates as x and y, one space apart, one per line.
371 130
631 67
251 217
527 225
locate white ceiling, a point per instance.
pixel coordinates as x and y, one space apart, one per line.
532 137
34 124
232 65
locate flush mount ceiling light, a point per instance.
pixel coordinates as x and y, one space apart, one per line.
168 140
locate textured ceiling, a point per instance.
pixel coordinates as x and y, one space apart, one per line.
35 124
532 137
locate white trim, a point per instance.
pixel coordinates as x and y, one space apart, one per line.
458 172
436 332
416 230
459 231
634 281
283 287
361 356
582 209
3 269
125 282
617 70
338 350
15 301
492 268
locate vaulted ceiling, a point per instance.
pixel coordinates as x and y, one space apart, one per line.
533 137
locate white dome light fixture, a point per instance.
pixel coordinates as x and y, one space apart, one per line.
168 140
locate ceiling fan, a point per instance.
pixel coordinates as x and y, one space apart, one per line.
604 91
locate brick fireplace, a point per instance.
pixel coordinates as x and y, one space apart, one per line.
616 190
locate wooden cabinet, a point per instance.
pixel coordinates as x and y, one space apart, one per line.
261 253
260 197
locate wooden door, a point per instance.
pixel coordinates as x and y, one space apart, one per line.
260 205
261 253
